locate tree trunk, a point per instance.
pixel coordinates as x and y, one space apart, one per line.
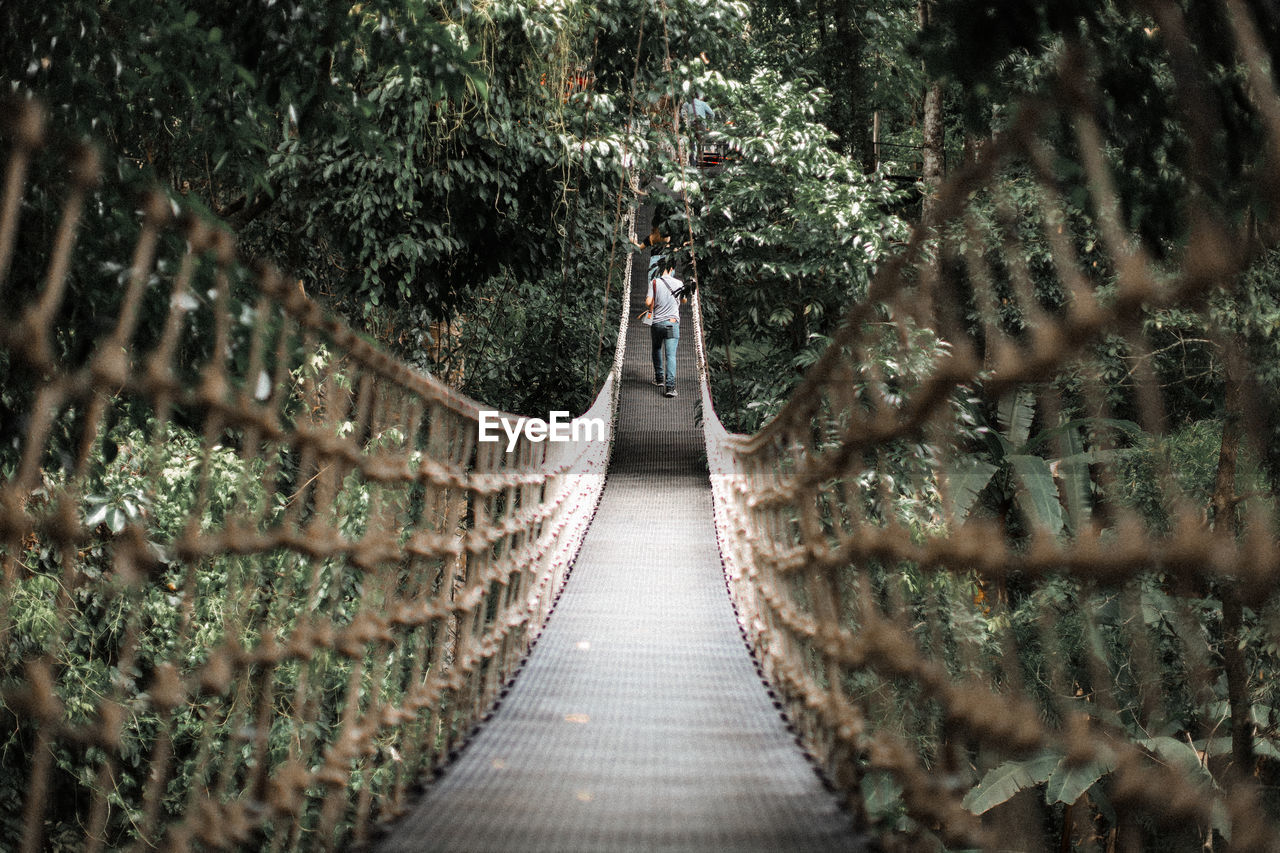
843 51
875 140
1234 665
933 132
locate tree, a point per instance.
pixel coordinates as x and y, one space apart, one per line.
933 154
408 161
789 234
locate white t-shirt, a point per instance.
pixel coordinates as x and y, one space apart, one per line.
665 304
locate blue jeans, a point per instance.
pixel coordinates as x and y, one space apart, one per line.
665 335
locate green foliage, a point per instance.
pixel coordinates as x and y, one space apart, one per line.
430 194
529 348
996 50
1154 469
402 158
1069 781
1050 494
1038 496
1057 628
828 46
966 478
1001 783
201 95
1251 316
1065 782
85 645
790 234
153 483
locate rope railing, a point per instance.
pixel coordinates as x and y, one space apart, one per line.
977 552
258 576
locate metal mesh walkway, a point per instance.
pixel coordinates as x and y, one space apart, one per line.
639 721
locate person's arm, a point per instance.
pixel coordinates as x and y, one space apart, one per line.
653 292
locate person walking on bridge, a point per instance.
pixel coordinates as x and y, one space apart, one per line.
663 300
657 243
655 240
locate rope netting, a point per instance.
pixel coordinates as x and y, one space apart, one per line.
258 575
978 552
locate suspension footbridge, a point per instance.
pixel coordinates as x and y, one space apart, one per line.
264 589
639 721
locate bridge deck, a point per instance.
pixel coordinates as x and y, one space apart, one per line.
639 721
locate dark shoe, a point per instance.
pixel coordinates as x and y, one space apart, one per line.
659 382
671 392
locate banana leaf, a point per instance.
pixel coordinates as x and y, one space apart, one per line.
965 481
1037 493
1003 782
